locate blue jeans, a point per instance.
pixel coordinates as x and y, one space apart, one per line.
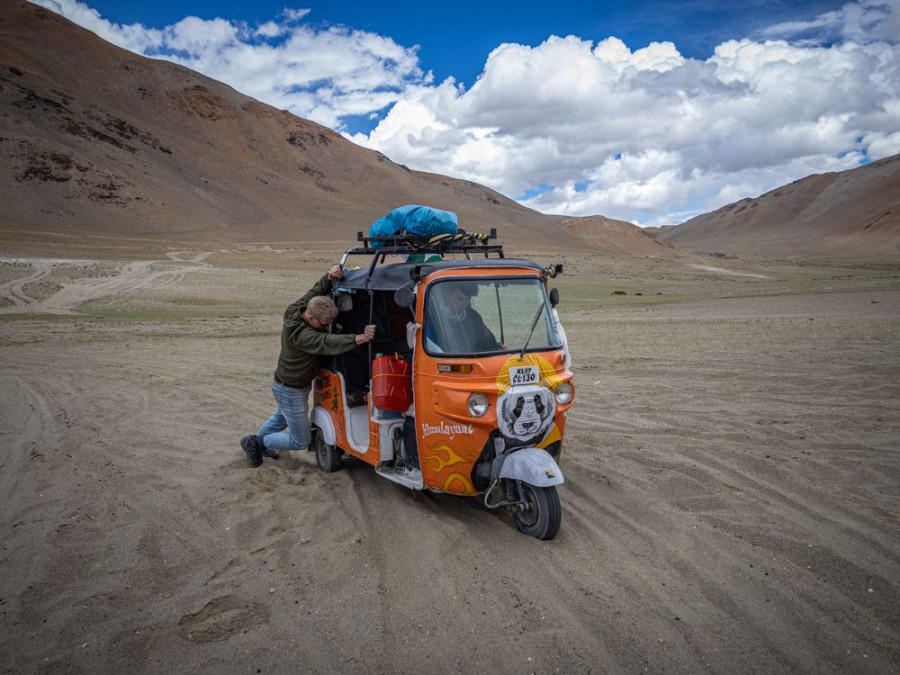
292 414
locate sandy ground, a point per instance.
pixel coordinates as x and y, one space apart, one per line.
732 495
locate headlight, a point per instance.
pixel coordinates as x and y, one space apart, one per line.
478 404
564 393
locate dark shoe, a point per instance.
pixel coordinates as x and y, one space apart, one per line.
251 449
268 452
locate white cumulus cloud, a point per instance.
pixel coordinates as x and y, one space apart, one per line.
646 135
322 74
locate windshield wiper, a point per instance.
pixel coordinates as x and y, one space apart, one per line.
531 332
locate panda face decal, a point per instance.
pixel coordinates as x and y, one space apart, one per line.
525 412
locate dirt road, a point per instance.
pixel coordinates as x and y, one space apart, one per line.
92 281
732 504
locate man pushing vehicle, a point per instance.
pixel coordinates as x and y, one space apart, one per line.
304 338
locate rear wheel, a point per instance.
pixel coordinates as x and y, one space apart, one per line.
543 513
328 457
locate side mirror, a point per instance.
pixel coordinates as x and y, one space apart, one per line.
554 297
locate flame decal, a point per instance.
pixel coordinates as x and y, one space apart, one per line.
437 464
464 484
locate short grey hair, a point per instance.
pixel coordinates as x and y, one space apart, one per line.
322 308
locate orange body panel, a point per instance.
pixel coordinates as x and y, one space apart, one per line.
328 394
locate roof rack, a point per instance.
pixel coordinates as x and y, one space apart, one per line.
402 243
465 243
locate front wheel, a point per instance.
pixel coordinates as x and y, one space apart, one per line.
541 514
328 457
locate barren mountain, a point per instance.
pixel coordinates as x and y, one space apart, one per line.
614 236
97 140
853 214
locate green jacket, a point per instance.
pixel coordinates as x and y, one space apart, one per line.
302 345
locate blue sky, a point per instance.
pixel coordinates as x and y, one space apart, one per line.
648 111
455 38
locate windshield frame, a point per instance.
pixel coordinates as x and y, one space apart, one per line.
481 278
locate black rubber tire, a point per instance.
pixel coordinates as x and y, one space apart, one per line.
328 457
545 516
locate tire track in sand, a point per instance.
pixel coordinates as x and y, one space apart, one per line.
14 291
28 425
131 277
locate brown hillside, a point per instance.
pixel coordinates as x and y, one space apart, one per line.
97 140
852 214
615 236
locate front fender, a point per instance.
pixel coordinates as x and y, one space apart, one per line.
533 466
320 418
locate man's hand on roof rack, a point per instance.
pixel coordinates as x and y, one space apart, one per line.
335 273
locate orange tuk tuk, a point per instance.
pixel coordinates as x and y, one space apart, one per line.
466 386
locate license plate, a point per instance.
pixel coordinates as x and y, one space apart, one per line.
524 375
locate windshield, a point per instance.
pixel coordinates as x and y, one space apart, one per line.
483 316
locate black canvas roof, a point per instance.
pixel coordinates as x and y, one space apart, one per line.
390 277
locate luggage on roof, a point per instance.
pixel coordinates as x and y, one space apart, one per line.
422 221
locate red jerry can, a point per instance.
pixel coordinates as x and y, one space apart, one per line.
391 383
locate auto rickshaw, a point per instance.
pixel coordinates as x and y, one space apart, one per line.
466 385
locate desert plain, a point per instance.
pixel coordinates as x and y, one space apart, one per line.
731 504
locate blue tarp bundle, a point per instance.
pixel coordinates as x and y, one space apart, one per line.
419 220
